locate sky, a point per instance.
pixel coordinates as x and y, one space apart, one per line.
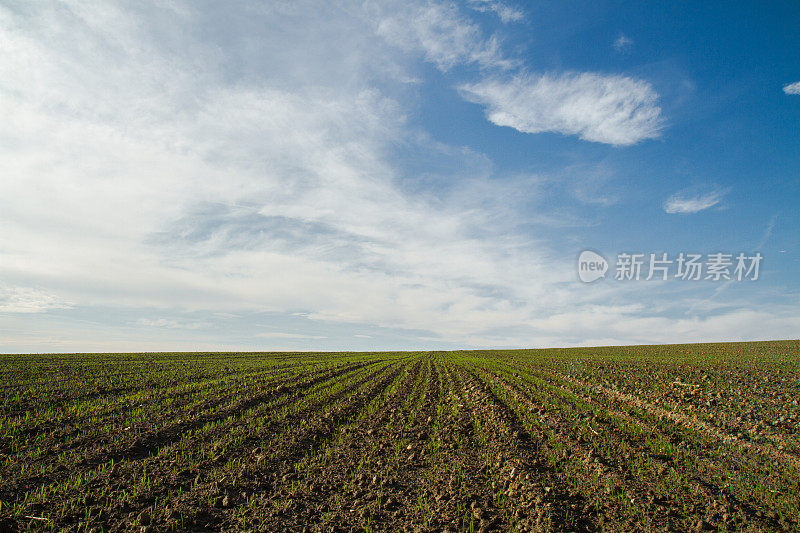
389 175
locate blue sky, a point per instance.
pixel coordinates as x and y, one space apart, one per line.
392 175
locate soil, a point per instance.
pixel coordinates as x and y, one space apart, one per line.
699 438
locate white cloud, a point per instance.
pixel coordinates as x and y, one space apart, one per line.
175 162
15 299
792 88
607 325
280 335
682 203
442 34
161 185
622 43
505 12
171 324
615 110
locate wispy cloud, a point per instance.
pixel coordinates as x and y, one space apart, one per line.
504 11
281 335
685 203
307 210
443 34
15 299
171 324
622 43
185 168
615 110
792 88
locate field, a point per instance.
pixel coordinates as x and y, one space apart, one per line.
645 438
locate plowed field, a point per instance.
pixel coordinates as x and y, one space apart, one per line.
644 438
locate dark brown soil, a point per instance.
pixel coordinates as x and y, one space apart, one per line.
703 438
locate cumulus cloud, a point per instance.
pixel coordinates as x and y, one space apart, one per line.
608 109
792 88
683 203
